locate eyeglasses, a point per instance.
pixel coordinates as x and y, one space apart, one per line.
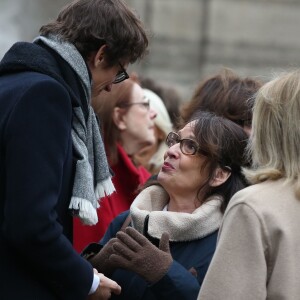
145 105
121 76
187 146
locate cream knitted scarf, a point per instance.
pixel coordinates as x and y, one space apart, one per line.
181 226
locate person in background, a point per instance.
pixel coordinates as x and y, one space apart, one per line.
169 95
152 157
257 255
201 171
225 94
172 100
128 126
52 160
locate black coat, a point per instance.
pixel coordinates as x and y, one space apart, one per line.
37 260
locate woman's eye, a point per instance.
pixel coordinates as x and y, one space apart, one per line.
190 145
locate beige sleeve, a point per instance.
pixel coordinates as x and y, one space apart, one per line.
238 269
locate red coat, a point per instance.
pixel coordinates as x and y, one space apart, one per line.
126 180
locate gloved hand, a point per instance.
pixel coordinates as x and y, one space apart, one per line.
101 262
134 252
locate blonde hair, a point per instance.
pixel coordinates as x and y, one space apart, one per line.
275 140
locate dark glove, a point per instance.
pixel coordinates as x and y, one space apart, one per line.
100 261
136 253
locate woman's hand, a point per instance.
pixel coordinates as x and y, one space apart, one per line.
101 262
134 252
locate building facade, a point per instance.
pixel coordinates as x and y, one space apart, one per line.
190 39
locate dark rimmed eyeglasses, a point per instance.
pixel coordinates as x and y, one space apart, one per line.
121 76
187 146
145 104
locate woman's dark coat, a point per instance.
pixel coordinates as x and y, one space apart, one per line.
182 281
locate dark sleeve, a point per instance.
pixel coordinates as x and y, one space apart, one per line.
177 284
37 139
114 227
185 276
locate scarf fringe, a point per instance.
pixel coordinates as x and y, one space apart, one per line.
87 212
104 188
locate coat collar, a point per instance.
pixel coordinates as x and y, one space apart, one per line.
181 226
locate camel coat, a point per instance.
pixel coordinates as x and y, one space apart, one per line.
258 250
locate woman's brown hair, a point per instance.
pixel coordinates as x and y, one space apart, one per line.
225 94
224 143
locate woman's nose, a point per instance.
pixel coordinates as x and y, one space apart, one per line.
173 151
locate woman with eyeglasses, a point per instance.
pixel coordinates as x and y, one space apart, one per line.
128 126
152 157
166 251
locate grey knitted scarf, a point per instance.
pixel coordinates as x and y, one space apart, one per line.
92 177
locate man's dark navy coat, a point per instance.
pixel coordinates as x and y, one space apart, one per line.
37 260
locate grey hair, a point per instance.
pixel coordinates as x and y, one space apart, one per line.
274 144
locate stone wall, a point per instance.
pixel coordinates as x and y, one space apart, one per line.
190 39
21 19
195 38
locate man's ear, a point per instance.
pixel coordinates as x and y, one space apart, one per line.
98 57
118 118
220 177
